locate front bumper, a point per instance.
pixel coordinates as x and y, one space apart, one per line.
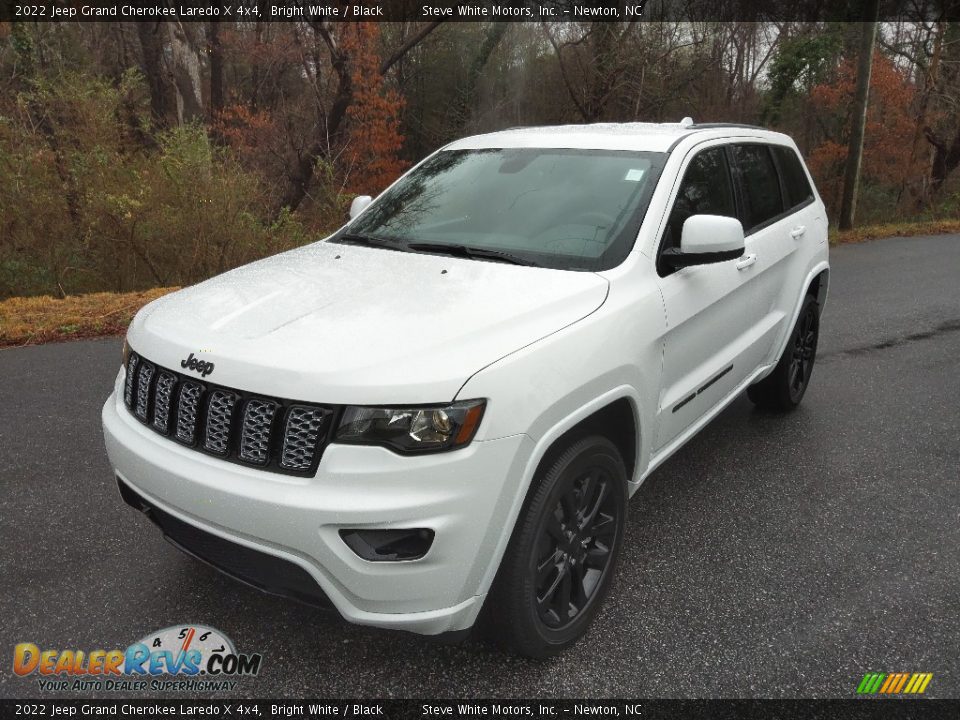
251 567
460 495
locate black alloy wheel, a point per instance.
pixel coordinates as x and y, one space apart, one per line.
575 547
563 552
804 352
783 389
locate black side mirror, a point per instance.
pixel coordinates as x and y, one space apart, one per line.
676 259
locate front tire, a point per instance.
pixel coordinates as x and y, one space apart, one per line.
561 559
783 389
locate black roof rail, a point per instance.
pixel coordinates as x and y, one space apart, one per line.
710 126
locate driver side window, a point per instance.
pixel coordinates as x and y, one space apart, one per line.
706 189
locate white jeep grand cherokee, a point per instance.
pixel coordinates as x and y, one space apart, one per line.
445 405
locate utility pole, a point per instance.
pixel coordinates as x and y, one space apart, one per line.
851 176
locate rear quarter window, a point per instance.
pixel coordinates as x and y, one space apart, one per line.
760 183
794 178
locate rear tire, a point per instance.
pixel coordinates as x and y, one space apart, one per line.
783 389
563 553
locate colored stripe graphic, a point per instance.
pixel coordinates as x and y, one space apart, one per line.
862 687
914 683
871 683
894 683
901 682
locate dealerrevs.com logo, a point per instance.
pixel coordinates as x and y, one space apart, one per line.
200 658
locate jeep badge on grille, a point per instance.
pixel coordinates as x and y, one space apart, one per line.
201 366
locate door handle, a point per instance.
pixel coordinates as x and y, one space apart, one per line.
798 232
746 261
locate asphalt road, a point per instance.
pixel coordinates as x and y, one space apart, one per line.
773 556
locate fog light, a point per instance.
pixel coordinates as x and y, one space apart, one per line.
389 545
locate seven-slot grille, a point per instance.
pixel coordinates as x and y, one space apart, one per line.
279 435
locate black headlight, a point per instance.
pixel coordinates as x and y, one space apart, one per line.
412 429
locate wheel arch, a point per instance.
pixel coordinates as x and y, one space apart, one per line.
818 286
816 283
620 403
618 421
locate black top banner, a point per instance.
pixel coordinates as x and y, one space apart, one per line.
478 10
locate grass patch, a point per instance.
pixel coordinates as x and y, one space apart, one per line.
901 229
35 320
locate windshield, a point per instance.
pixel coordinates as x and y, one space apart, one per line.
568 209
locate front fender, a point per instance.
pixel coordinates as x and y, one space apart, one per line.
547 388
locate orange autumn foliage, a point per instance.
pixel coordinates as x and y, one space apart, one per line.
242 128
252 50
373 117
888 155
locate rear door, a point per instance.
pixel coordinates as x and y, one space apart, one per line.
776 215
804 228
711 342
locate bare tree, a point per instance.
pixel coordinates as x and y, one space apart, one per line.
300 175
216 69
592 65
946 87
851 178
467 100
152 36
185 70
172 63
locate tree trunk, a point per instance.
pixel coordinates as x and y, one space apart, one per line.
930 81
302 174
946 139
602 37
216 70
186 74
851 177
151 45
255 75
466 103
299 179
946 158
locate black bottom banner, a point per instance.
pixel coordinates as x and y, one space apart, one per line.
665 709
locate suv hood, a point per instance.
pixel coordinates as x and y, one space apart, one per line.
345 324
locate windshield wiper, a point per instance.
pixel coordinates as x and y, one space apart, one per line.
370 241
468 251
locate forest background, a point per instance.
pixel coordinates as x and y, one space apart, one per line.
156 154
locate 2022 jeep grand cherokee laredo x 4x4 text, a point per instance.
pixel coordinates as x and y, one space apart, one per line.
446 404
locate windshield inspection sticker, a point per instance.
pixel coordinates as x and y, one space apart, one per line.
635 175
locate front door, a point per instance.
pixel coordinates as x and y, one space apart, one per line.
712 342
